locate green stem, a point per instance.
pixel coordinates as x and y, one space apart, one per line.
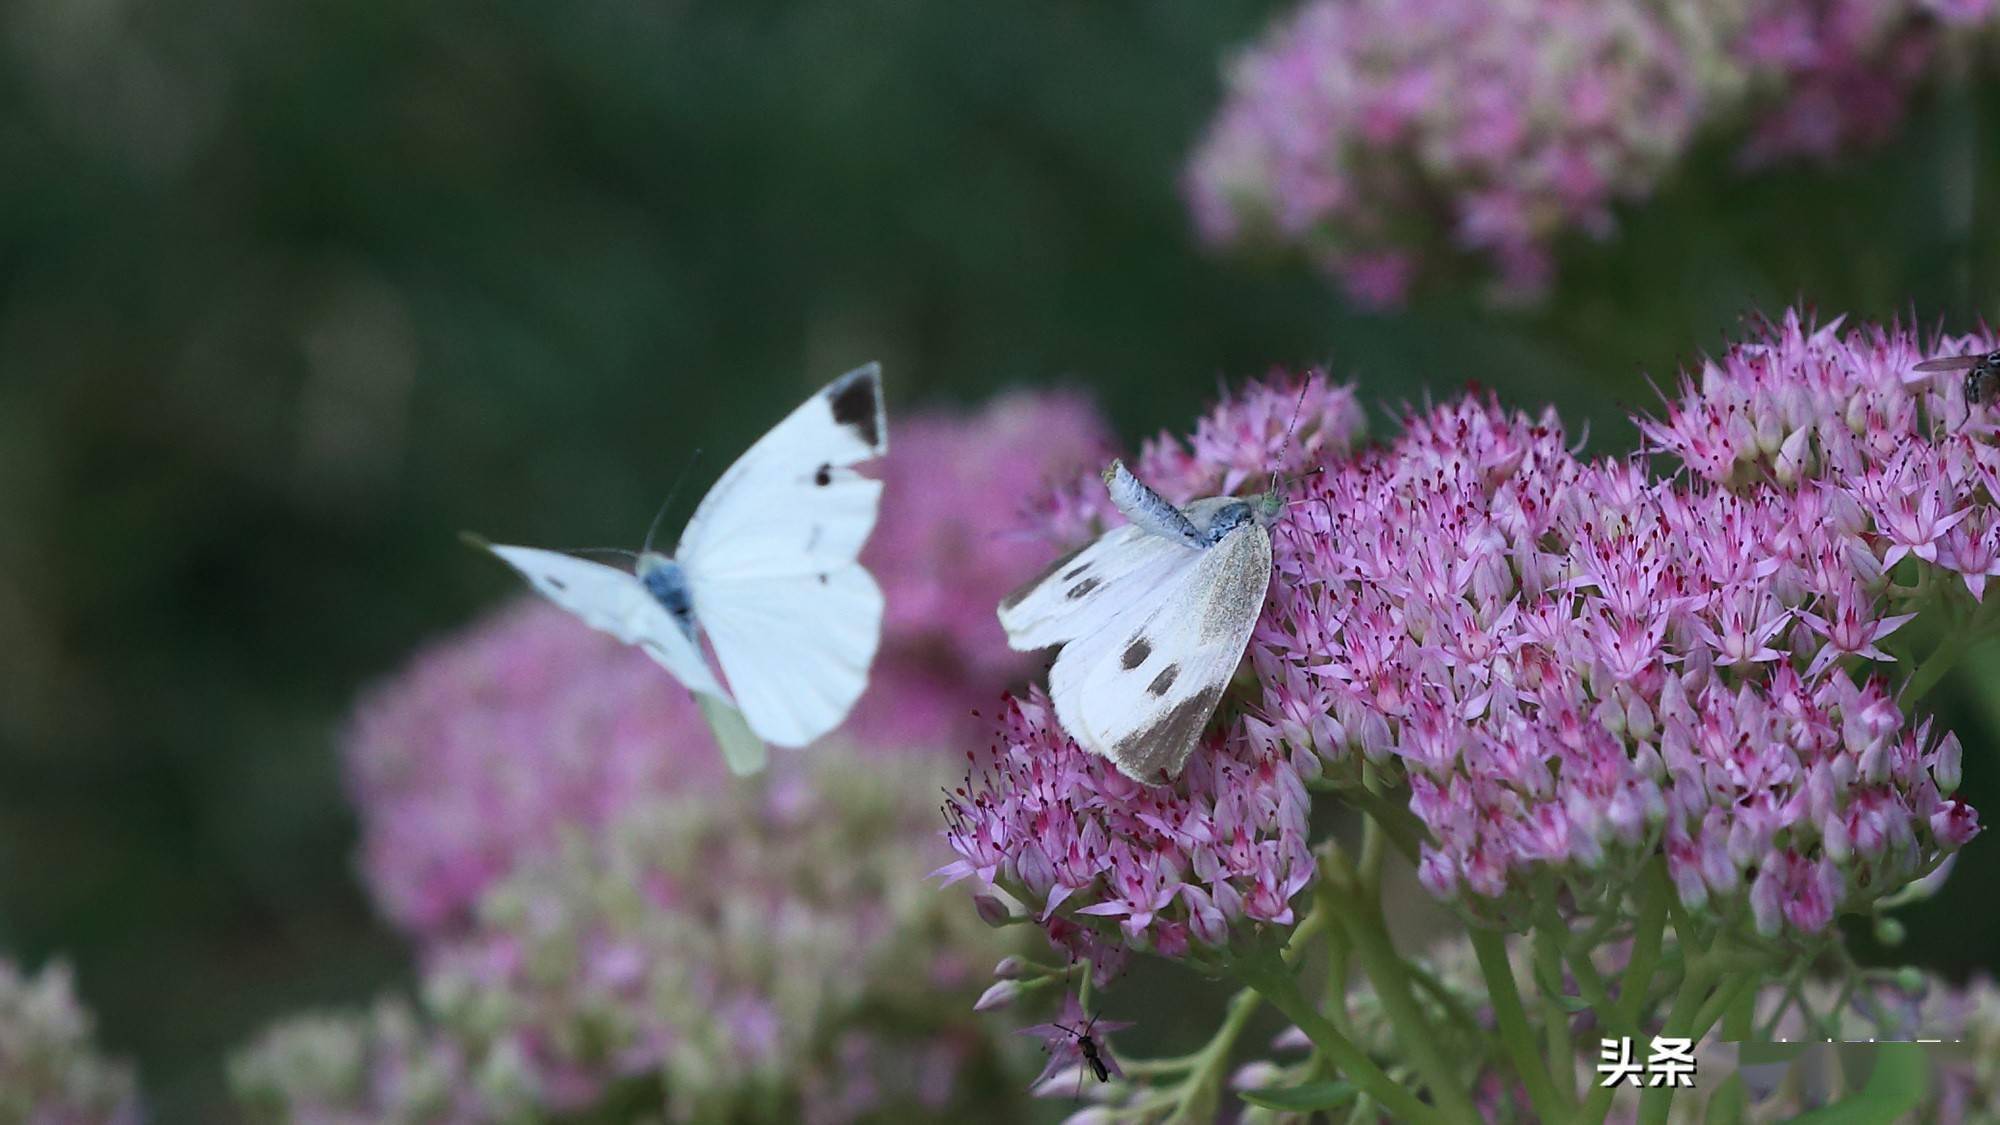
1656 1101
1368 933
1946 654
1198 1095
1261 969
1515 1036
1555 1021
1654 891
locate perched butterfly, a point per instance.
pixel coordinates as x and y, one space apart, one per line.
1152 618
767 568
1982 373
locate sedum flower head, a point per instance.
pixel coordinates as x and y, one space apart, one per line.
1573 666
493 742
1377 134
1172 869
762 948
1384 138
50 1069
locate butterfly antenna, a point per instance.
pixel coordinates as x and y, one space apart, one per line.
653 528
1285 446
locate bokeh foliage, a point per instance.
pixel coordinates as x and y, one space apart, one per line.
290 292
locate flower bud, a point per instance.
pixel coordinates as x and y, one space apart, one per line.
999 995
1010 968
1889 931
992 911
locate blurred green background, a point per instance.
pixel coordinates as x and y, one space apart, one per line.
291 291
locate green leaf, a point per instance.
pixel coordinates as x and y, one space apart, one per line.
1895 1088
1312 1095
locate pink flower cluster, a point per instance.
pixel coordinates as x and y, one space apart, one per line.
1840 74
1381 137
1374 134
497 742
1176 867
1576 666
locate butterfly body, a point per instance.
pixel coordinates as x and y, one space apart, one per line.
663 578
766 571
1153 619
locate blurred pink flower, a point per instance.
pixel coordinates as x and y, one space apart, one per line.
51 1070
1386 139
497 741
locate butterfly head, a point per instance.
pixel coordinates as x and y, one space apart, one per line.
1269 505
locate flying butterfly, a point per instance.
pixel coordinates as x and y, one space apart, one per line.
767 569
1982 373
1152 618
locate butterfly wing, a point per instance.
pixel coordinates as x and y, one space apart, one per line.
612 601
1141 686
1085 591
770 559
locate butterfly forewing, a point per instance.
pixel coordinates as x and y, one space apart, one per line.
794 500
1141 692
613 601
770 559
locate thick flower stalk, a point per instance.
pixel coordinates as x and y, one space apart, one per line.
1386 140
770 952
1585 701
50 1068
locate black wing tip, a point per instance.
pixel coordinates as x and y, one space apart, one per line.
856 401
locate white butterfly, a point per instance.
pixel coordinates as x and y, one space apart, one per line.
767 569
1153 618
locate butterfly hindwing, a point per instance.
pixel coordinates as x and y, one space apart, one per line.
796 648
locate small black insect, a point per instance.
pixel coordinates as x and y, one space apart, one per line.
1982 374
1072 1039
1091 1056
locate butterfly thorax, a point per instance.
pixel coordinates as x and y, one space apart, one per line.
667 582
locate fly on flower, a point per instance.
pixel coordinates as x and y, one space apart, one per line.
1072 1040
1982 373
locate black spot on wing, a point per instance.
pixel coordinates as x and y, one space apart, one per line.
857 403
1164 680
556 582
824 476
1157 753
1136 653
1028 587
1074 571
1083 588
